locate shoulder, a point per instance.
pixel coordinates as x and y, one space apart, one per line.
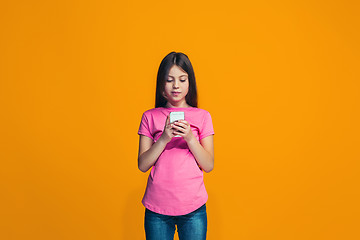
201 116
151 111
198 110
203 112
206 118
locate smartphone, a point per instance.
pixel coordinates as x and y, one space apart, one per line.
174 116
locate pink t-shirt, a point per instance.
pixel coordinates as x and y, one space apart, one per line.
175 184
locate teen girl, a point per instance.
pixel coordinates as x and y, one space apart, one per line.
175 193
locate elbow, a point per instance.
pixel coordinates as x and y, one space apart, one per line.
141 168
210 168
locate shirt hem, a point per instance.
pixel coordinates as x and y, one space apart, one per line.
146 134
206 135
174 213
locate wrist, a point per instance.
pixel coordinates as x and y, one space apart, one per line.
191 139
164 139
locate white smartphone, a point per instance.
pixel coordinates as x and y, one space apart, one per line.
174 116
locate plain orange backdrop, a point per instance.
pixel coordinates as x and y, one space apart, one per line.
279 78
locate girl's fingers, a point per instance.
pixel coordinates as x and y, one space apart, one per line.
179 128
183 121
181 125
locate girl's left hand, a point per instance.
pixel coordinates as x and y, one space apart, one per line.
182 128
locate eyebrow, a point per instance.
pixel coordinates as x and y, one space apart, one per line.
180 76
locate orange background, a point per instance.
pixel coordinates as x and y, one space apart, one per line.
280 79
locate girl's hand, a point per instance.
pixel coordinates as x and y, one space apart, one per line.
167 134
182 128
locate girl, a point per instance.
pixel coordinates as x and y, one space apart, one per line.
175 194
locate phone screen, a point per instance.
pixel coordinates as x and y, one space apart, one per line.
174 116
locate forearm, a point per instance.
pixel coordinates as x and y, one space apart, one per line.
203 157
148 158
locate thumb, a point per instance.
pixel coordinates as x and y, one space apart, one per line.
167 120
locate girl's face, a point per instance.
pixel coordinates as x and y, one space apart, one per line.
176 86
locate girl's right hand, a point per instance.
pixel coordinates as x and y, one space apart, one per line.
167 134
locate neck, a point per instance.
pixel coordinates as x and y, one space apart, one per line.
184 105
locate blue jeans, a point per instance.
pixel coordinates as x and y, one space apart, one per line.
192 226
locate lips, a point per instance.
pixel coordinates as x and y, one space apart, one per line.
175 92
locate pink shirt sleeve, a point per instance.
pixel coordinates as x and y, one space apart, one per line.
207 126
144 127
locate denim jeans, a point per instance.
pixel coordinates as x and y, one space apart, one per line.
192 226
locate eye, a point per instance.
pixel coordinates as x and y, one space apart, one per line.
169 80
183 80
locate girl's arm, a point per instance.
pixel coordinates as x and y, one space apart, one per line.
149 152
203 152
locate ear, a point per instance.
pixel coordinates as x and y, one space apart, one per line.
163 93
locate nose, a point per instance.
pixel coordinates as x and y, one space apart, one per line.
175 84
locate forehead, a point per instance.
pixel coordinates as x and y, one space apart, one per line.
176 71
